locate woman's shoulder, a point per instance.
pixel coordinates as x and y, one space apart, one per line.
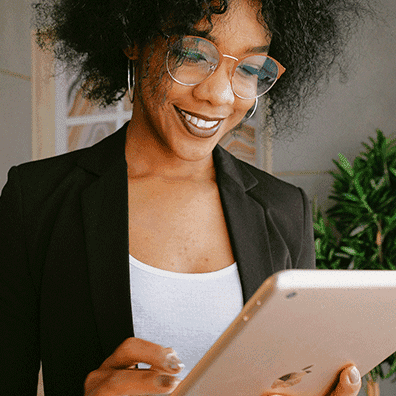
94 159
286 208
265 187
275 187
48 168
37 182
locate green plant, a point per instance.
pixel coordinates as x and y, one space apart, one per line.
360 229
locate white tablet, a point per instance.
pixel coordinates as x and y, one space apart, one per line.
297 332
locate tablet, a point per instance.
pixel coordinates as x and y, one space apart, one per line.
297 332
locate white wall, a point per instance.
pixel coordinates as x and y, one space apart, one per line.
349 112
15 95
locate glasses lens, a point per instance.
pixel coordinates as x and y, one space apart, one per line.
191 60
254 76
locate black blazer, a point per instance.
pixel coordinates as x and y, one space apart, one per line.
64 271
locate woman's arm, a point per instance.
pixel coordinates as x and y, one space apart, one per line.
19 303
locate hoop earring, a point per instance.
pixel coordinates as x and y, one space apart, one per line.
131 92
252 113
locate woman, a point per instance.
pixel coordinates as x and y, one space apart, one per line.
199 229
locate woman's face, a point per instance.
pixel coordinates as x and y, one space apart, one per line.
165 110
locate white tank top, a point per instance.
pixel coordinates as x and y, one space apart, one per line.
187 312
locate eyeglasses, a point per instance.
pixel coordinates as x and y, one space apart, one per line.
191 60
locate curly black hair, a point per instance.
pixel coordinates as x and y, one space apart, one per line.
308 36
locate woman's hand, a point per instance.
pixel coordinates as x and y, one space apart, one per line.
118 374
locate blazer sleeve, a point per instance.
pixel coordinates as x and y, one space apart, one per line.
19 301
306 258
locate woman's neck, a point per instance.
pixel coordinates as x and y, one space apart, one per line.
146 155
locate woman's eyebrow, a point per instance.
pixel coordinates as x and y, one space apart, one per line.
258 50
208 36
201 33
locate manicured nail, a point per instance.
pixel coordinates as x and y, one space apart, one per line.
354 376
165 381
173 361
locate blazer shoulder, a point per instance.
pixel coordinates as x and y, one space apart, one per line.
286 202
286 209
38 180
48 168
276 192
46 174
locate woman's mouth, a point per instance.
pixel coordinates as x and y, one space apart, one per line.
198 126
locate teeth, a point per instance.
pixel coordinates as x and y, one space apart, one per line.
199 122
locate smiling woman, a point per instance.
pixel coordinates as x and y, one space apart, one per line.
178 113
307 39
156 236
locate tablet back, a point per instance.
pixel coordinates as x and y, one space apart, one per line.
297 332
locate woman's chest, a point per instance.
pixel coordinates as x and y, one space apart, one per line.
178 226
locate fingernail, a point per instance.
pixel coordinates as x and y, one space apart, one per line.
173 361
354 376
165 381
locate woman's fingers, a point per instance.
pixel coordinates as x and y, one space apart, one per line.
118 374
349 383
130 382
135 350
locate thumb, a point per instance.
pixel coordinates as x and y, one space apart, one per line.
349 383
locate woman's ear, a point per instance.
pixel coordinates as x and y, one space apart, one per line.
132 52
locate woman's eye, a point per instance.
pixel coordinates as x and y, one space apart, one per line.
185 54
193 56
248 71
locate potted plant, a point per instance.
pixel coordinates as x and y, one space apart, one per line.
360 229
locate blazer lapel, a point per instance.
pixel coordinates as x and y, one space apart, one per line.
246 222
105 215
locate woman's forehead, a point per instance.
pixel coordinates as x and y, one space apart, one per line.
241 26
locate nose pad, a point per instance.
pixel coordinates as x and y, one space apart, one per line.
217 88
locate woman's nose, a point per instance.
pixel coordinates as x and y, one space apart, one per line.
216 89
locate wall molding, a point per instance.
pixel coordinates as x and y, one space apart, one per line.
43 102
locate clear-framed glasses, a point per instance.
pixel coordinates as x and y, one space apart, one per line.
191 60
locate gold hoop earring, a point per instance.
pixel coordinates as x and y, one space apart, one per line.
252 113
131 92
